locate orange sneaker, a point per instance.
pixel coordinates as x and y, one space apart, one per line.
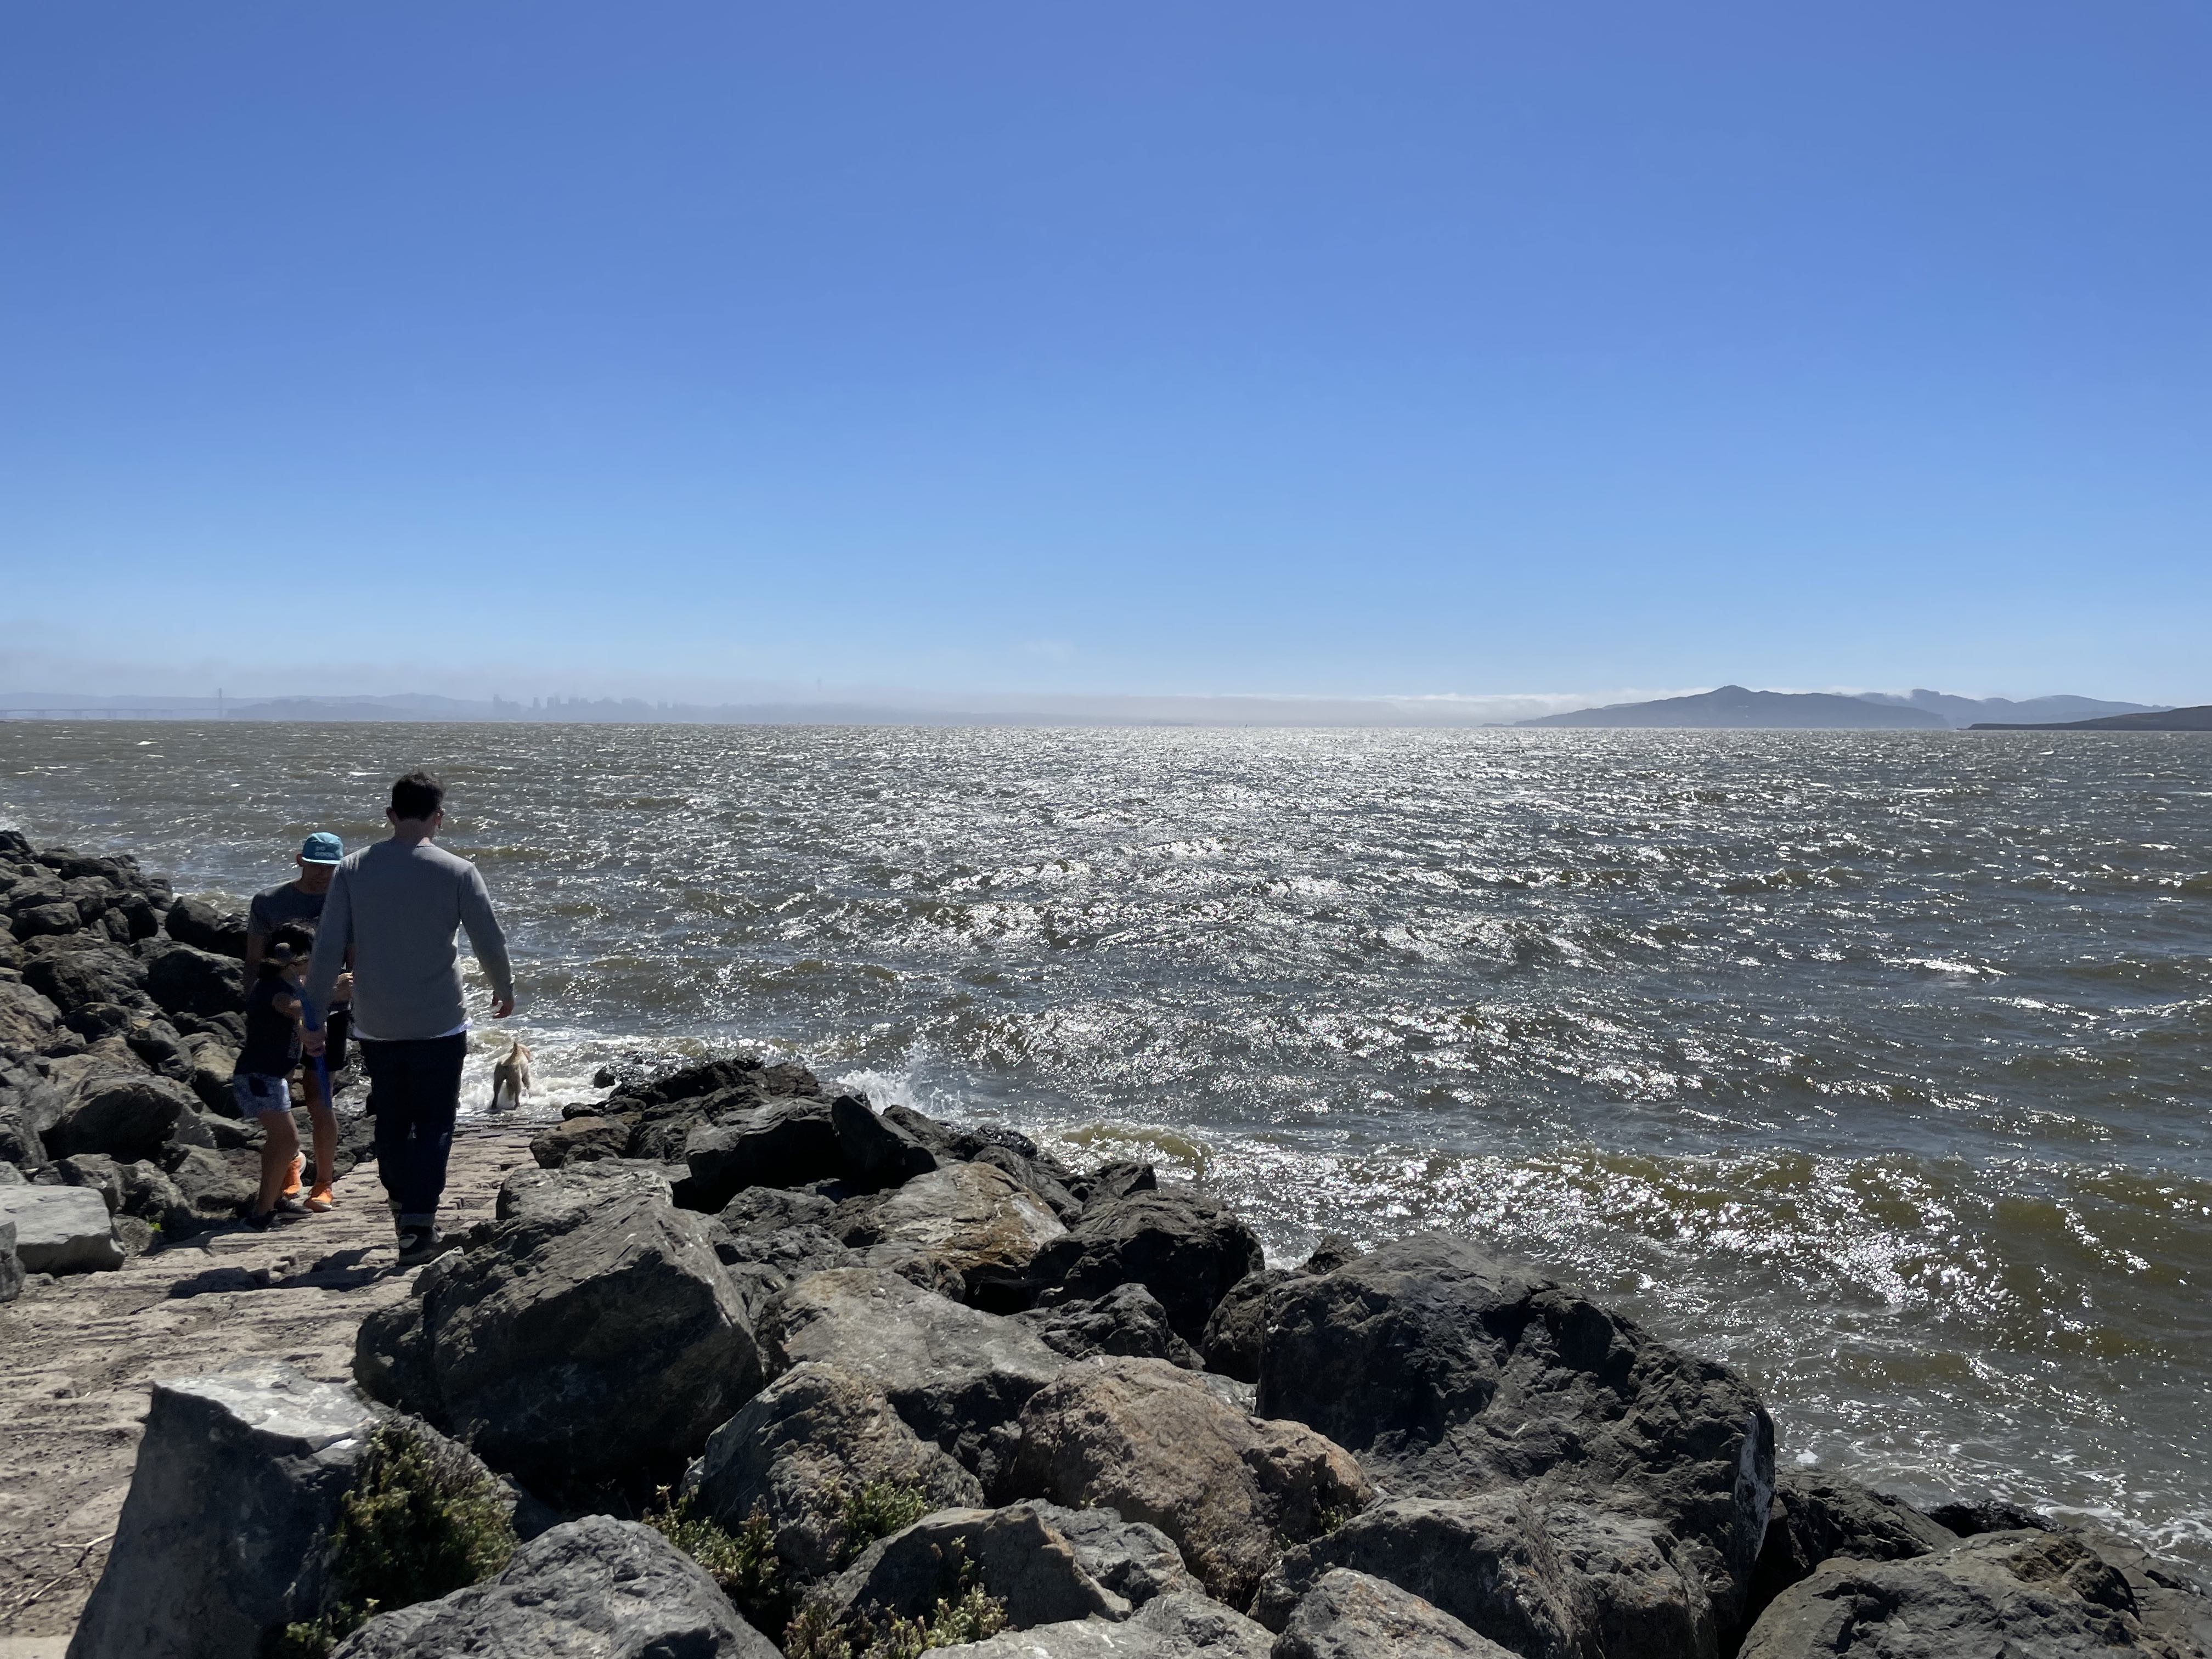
292 1180
320 1198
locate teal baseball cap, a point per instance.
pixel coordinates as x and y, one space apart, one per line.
321 847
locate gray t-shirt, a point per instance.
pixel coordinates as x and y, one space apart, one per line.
397 905
282 906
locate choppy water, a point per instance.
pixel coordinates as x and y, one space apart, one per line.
1877 1065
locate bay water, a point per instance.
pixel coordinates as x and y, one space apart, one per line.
1876 1065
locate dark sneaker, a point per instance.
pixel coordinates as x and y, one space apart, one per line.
419 1244
260 1220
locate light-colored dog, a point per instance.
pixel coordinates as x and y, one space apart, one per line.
510 1078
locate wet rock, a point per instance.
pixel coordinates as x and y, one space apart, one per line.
1187 1249
2024 1595
778 1143
1181 1626
1451 1371
1971 1517
1350 1615
205 927
1816 1517
184 980
61 1229
1548 1581
1236 1328
581 1140
125 1116
802 1446
1153 1443
593 1588
668 1110
1014 1554
1330 1252
220 1543
957 1375
575 1346
1118 1179
1134 1560
1036 1178
1128 1321
877 1153
971 1222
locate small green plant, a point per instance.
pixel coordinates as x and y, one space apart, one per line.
969 1615
422 1521
743 1563
876 1509
815 1633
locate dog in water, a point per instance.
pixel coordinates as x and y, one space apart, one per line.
510 1078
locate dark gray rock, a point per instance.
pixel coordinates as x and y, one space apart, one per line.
575 1346
1187 1249
2022 1595
545 1193
593 1588
202 925
29 1106
1119 1179
1451 1371
1970 1517
1330 1252
1350 1615
957 1375
1013 1554
877 1153
1816 1517
800 1447
11 1265
1129 1321
787 1142
61 1229
220 1543
581 1140
58 915
1135 1560
1036 1177
775 1260
184 980
1180 1626
762 1210
126 1116
1237 1327
966 1226
1154 1444
27 1018
212 1187
1546 1580
72 970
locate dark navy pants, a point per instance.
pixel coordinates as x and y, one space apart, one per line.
416 1089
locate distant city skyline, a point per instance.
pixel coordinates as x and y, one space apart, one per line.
984 350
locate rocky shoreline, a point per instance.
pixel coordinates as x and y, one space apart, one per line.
737 1366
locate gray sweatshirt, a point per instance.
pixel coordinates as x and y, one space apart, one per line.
397 906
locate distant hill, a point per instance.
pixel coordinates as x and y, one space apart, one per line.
1734 707
2199 718
1967 711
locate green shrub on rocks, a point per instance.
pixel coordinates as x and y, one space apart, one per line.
743 1563
422 1521
878 1509
817 1633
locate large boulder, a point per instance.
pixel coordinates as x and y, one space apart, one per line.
801 1447
1816 1517
877 1153
1349 1616
666 1109
969 1224
574 1347
1155 1444
1179 1626
1135 1560
1128 1321
124 1115
593 1588
955 1375
581 1140
29 1019
1237 1328
203 925
61 1229
1548 1581
1187 1249
2022 1595
786 1142
572 1190
11 1265
212 1187
186 980
1451 1371
220 1541
29 1106
1014 1555
74 970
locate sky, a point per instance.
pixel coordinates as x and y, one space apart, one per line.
1462 348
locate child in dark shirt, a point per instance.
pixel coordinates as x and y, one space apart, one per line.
260 1081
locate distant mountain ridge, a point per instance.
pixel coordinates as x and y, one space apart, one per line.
1969 711
2199 718
1736 708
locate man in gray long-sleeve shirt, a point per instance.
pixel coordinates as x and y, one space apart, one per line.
396 904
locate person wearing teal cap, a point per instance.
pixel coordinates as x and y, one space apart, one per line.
299 903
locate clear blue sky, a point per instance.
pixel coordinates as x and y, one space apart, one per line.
1282 347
